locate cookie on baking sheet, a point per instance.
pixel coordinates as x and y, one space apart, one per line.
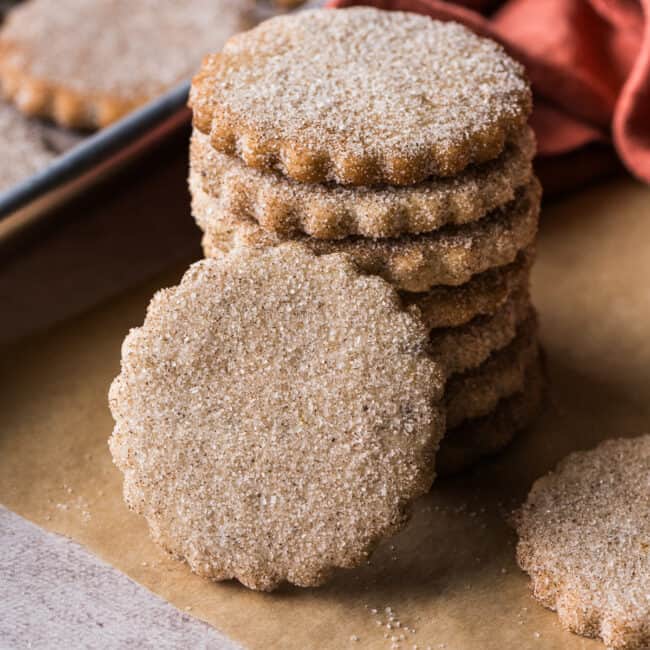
288 207
360 96
451 255
468 346
275 415
86 64
482 295
475 392
485 436
584 539
24 150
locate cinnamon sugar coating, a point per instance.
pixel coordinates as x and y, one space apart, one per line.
360 96
584 539
275 415
287 207
416 263
485 436
86 64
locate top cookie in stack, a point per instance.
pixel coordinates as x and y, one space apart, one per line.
404 142
360 97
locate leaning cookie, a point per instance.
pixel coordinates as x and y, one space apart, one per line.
360 97
584 539
86 64
288 207
449 256
275 415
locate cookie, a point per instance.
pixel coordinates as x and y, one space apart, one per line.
359 97
287 207
275 415
468 346
482 295
584 539
449 256
485 436
475 392
86 64
24 150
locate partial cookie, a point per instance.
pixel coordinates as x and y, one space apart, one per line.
584 539
360 97
450 256
275 415
86 64
24 151
476 392
468 346
475 439
287 207
483 295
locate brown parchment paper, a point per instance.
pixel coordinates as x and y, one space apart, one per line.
451 575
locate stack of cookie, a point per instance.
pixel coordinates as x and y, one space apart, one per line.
402 141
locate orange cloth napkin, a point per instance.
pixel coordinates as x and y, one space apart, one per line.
589 64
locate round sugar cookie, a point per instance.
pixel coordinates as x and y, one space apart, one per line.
288 207
360 96
584 539
275 415
416 263
86 64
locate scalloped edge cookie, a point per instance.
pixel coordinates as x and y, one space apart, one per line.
449 256
258 450
303 95
287 207
584 540
31 69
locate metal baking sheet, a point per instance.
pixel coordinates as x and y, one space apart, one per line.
92 158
